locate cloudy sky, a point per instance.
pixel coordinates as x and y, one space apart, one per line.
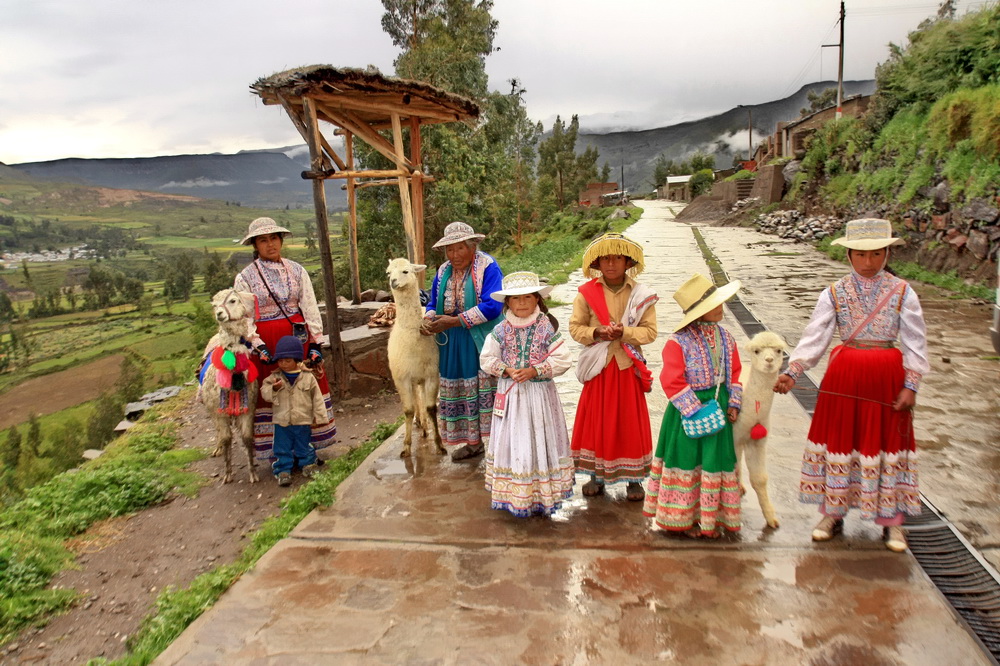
137 78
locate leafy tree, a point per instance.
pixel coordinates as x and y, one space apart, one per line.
660 171
10 449
701 161
66 446
30 468
701 182
178 276
606 173
105 416
99 287
819 101
559 163
131 381
217 276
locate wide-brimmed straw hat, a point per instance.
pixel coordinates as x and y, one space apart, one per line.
609 244
868 233
456 232
698 296
522 282
263 226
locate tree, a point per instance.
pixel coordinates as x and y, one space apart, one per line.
559 163
105 416
217 276
606 173
30 468
66 446
10 449
660 171
701 161
178 276
819 101
99 287
701 182
131 383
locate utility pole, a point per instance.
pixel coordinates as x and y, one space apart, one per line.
750 130
840 67
622 154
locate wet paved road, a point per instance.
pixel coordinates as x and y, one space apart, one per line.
411 566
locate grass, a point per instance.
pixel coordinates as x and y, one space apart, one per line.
137 471
177 608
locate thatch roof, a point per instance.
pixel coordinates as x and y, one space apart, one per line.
368 95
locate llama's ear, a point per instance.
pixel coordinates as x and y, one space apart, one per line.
419 267
249 302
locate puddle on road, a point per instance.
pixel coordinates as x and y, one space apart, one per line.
387 468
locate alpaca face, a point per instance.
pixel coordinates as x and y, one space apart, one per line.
230 305
766 352
401 273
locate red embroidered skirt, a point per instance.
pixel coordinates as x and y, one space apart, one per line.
861 454
611 436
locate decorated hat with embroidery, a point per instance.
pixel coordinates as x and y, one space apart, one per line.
456 232
699 296
263 226
522 282
868 233
613 243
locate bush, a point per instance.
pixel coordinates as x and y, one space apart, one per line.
742 174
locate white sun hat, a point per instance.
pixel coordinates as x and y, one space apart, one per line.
263 226
868 233
521 282
698 296
456 232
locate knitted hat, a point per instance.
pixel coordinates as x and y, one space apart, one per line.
456 232
868 233
288 347
609 244
522 282
261 227
699 296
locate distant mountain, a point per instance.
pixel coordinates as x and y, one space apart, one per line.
723 135
271 178
260 178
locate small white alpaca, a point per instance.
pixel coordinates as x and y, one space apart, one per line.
413 357
765 352
231 407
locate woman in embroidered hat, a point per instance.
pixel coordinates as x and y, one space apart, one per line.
529 469
693 486
861 451
286 305
612 316
460 314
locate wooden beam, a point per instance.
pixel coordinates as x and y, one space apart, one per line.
361 129
338 360
367 173
300 126
387 181
386 106
417 181
404 194
352 216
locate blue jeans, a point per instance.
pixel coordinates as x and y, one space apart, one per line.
291 445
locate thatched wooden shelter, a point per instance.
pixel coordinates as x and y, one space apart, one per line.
361 104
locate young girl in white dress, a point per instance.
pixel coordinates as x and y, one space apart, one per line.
529 469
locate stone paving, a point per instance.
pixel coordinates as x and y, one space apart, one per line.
410 565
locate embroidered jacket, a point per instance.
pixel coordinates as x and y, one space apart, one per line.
291 285
844 305
688 366
529 342
451 295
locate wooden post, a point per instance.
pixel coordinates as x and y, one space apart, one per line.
338 361
352 212
418 187
404 192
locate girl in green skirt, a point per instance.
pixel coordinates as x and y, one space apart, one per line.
692 485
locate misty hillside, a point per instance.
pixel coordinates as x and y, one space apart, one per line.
271 178
723 136
263 179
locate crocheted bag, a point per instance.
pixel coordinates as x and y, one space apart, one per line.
706 421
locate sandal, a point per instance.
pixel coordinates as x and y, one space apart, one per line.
467 451
593 488
635 493
895 538
827 528
693 532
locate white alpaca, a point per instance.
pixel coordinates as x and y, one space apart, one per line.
234 311
765 352
413 357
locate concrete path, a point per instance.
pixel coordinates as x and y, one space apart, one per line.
411 565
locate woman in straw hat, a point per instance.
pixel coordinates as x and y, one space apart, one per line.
286 305
613 315
861 451
460 314
693 486
528 465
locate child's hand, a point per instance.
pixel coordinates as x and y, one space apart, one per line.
784 384
276 386
521 375
610 332
733 414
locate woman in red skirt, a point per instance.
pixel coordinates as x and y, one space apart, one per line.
286 305
612 315
861 451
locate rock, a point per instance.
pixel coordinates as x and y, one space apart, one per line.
993 233
959 241
939 222
979 244
382 296
790 170
942 196
981 211
368 295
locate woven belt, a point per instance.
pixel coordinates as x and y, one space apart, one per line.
871 344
